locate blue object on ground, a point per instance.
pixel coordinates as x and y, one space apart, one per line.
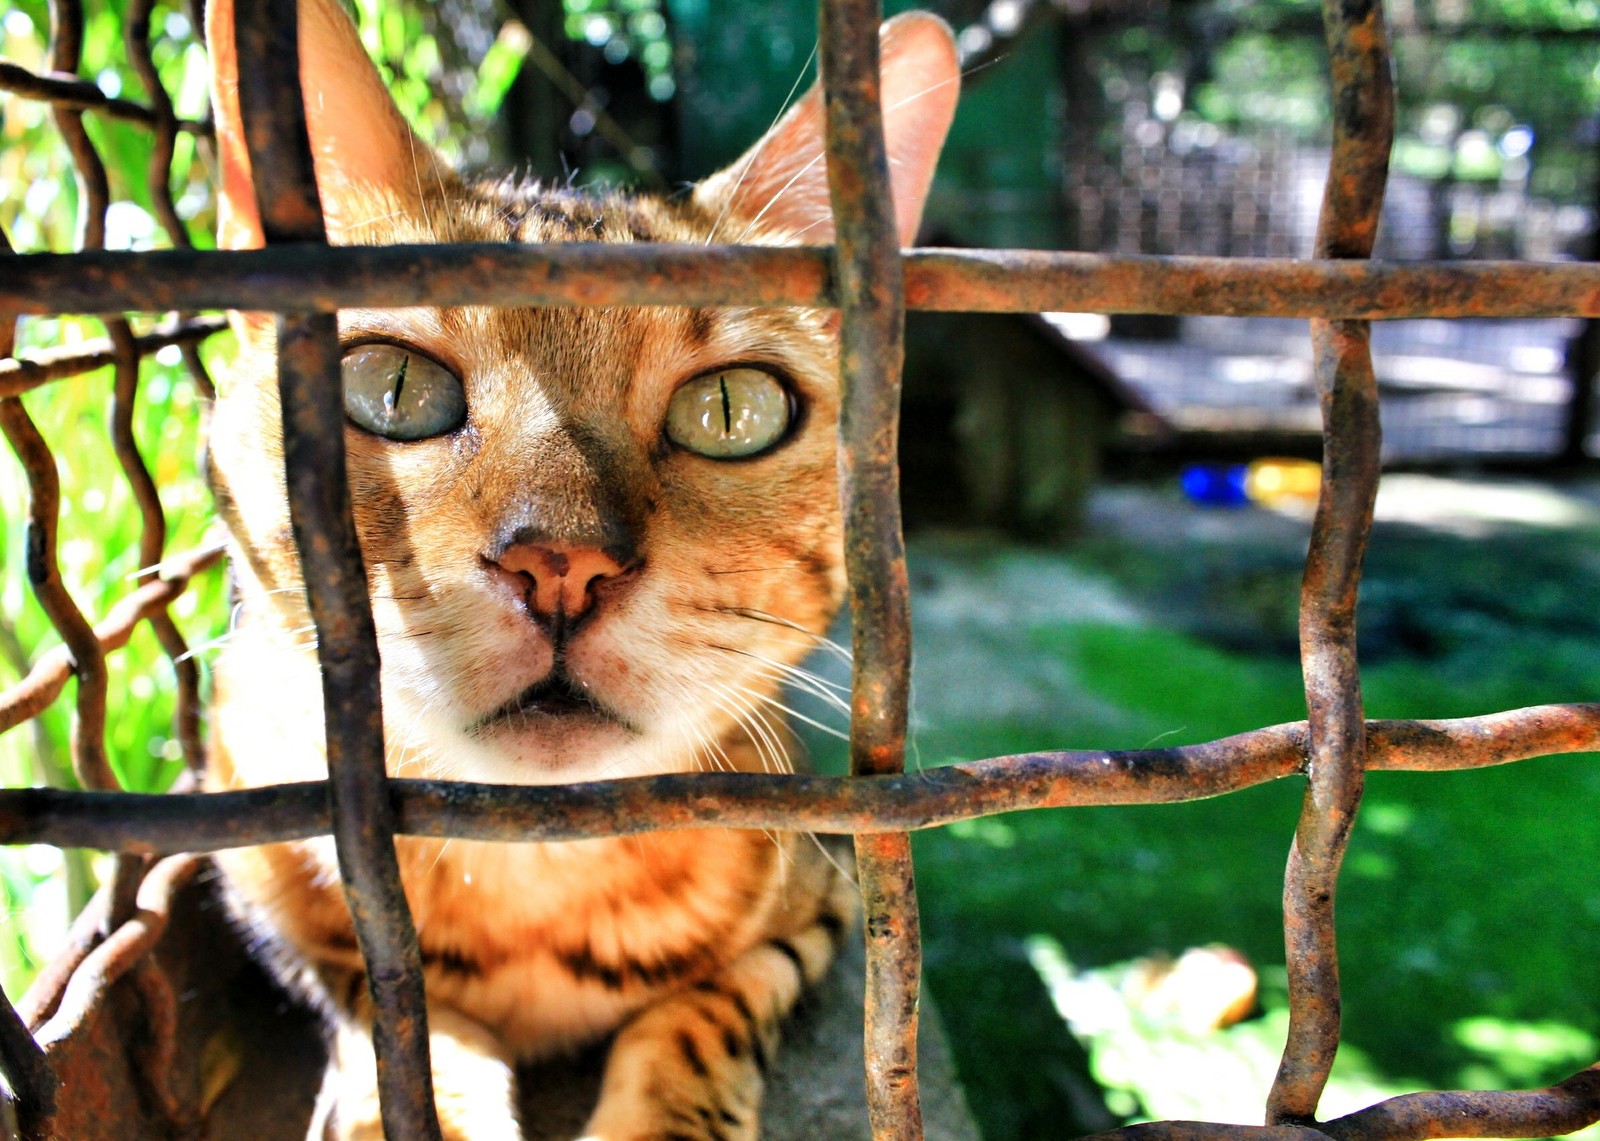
1215 485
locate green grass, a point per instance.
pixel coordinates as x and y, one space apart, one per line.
1464 896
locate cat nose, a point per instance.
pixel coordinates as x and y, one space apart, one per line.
563 580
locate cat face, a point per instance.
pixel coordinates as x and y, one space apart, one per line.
596 540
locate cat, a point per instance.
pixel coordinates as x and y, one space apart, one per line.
597 541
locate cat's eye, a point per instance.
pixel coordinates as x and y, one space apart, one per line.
729 414
400 394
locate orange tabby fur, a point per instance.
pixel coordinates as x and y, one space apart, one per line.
688 946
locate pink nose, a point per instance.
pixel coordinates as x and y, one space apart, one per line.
564 578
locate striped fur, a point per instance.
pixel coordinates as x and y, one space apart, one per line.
685 949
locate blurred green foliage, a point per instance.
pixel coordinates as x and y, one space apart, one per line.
449 93
1481 83
41 209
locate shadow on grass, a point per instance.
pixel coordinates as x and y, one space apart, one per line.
1468 910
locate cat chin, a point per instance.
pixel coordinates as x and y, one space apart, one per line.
541 750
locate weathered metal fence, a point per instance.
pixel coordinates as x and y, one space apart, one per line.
869 279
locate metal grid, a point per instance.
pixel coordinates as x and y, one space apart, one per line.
869 280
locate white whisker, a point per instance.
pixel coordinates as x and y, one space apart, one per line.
776 704
760 147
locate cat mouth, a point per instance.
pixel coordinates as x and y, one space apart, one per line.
556 699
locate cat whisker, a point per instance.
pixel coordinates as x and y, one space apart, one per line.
833 701
828 692
775 757
733 194
776 704
223 639
416 175
826 218
821 640
792 672
703 748
392 635
773 201
157 568
845 873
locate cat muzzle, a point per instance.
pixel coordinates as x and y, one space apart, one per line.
555 699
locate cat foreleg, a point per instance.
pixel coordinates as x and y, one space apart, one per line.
474 1083
693 1066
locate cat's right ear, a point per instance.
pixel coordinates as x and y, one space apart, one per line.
783 179
360 143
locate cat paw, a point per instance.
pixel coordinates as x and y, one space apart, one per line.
659 1124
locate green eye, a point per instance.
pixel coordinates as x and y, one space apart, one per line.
401 394
728 414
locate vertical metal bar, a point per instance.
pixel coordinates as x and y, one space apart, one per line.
160 180
33 1084
152 539
872 304
27 1072
44 575
336 583
88 748
152 536
1363 102
66 50
164 135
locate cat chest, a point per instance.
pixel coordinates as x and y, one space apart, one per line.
551 946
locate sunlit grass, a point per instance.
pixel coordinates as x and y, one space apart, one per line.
1467 904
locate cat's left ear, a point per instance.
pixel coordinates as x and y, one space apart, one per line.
783 179
360 142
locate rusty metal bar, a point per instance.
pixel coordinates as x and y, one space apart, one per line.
66 50
1363 134
979 281
152 539
31 1080
158 823
159 176
74 93
123 948
1549 1112
335 580
1335 747
165 125
25 373
153 529
871 295
34 693
44 575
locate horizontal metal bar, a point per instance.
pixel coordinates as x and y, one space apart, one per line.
24 373
300 278
170 822
64 89
1549 1112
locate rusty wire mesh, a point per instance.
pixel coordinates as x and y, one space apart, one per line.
869 280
